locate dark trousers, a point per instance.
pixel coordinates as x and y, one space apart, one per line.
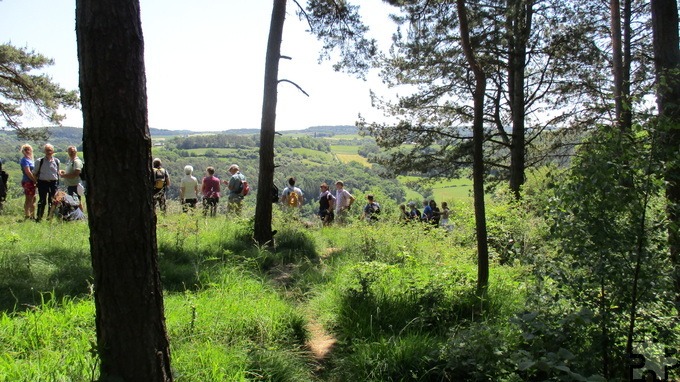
46 191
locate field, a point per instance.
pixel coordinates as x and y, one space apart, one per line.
450 190
237 313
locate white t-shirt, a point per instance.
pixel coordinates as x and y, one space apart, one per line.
342 198
189 184
288 190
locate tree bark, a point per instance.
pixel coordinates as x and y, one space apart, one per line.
263 210
478 153
667 61
621 56
131 336
519 28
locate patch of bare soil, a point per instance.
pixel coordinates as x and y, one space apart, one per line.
320 342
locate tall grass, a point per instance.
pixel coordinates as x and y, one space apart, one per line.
390 294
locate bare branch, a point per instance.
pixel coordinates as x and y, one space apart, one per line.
296 85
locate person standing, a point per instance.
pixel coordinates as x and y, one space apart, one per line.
161 181
28 181
235 186
3 185
188 189
434 215
210 188
427 211
326 205
414 212
343 201
292 196
404 215
71 175
444 222
47 174
371 209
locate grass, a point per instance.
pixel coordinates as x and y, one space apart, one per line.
237 312
448 190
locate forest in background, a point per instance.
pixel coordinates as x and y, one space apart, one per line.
312 156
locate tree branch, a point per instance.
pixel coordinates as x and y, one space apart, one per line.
296 85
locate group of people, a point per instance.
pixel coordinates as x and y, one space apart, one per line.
331 205
338 204
43 175
431 213
210 189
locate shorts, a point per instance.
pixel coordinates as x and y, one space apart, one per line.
29 188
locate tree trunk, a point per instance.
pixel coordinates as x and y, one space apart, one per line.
131 337
519 28
263 210
667 60
478 153
621 56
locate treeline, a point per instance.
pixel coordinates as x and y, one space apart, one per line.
244 141
309 170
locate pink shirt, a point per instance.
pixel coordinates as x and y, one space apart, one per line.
211 187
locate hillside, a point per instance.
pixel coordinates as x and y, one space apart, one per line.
313 155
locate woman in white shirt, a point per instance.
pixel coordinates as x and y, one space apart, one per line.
188 189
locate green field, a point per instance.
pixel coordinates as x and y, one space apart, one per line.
449 190
344 149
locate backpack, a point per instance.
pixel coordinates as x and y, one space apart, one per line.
375 208
245 188
159 178
293 198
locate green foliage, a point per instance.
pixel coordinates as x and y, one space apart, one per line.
411 357
20 88
50 342
607 219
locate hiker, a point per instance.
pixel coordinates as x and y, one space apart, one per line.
371 209
444 222
3 185
188 189
326 205
71 175
433 214
343 201
426 210
292 196
236 186
404 216
210 188
66 207
161 181
47 174
414 213
28 181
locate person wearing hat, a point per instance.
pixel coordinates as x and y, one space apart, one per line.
161 181
235 186
414 213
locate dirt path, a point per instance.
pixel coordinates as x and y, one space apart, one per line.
320 342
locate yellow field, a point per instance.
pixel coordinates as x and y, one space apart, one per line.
346 158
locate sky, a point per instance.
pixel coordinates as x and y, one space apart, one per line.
205 63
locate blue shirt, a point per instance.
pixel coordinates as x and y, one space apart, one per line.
25 162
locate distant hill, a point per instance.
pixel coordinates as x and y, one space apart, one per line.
75 134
